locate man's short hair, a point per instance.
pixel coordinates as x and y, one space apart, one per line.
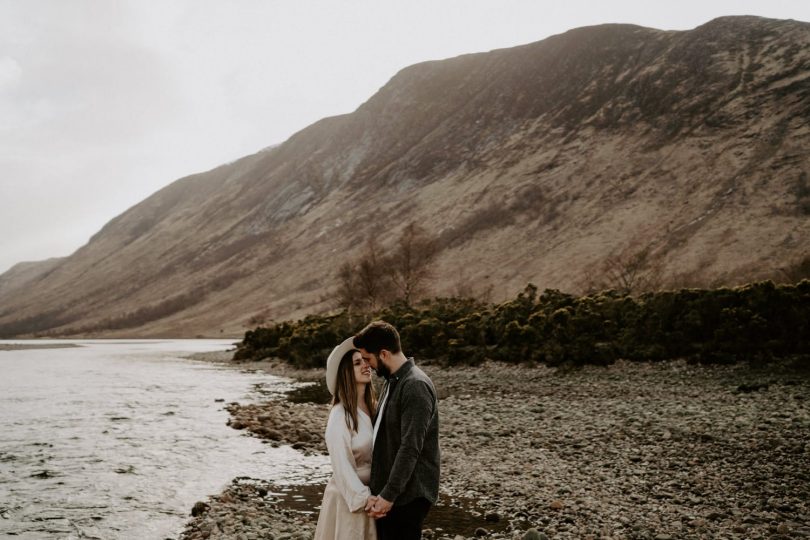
377 336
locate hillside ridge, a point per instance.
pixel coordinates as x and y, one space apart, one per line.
540 163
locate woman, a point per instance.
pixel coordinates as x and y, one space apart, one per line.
349 434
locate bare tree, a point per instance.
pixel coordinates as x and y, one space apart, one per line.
260 318
462 286
466 287
628 272
348 295
410 262
797 271
364 283
377 277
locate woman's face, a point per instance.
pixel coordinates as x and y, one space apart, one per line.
362 371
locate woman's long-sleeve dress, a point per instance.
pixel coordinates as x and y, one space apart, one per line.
343 515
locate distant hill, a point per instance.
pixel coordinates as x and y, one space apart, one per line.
540 163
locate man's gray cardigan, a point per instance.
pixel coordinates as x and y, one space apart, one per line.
405 460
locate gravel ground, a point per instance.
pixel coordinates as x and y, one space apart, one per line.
638 451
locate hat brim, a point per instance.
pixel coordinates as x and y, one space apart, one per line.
333 362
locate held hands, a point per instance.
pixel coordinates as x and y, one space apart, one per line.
377 507
370 502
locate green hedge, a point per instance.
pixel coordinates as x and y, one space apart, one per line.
754 322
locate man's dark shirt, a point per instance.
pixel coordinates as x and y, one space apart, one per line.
405 461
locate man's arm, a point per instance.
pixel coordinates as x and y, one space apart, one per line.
417 411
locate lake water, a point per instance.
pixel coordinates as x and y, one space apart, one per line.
118 439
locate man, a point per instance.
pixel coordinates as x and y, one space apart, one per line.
405 458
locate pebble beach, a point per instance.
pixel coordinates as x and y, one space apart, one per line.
635 450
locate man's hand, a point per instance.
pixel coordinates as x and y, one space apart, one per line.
380 508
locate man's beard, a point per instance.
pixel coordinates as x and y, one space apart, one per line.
382 370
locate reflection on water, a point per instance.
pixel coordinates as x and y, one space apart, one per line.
118 439
447 517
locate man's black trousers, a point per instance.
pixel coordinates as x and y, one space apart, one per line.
404 522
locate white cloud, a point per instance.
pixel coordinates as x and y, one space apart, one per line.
10 73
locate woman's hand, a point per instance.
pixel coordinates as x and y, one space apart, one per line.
378 508
370 503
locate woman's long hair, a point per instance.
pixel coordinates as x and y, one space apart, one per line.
346 391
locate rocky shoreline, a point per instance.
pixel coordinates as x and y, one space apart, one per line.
27 346
639 451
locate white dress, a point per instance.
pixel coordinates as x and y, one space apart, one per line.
343 515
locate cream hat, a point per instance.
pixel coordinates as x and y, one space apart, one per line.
333 362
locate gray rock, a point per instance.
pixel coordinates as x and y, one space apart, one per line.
199 508
534 534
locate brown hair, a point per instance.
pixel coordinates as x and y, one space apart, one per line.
346 391
377 336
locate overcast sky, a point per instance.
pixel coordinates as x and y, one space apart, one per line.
104 102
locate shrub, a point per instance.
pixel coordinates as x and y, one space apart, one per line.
755 322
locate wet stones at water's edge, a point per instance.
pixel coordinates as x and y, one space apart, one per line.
280 422
648 451
315 392
248 510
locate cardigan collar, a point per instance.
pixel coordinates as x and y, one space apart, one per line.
402 371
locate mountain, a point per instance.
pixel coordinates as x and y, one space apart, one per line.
543 163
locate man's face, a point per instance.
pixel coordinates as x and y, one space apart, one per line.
375 362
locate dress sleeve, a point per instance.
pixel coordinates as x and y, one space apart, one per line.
344 468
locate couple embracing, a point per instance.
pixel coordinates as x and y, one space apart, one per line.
385 455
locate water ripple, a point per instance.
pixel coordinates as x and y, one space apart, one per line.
119 439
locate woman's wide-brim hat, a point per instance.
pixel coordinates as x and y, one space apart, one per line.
333 362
